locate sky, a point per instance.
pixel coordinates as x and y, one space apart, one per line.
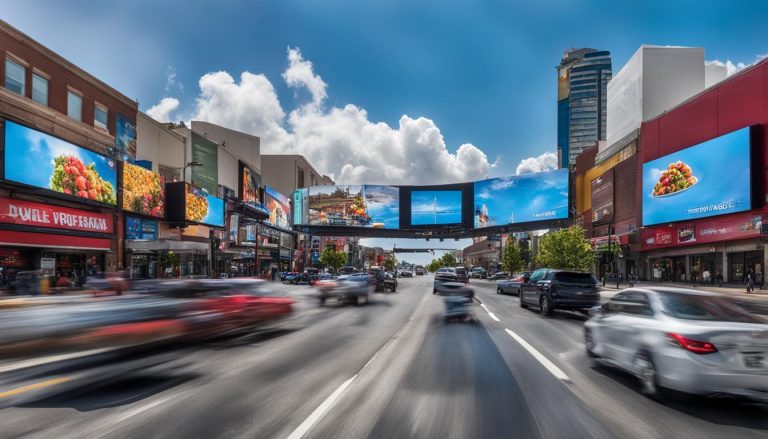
436 207
381 91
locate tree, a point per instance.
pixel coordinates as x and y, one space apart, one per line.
435 265
565 249
511 260
389 264
331 258
448 260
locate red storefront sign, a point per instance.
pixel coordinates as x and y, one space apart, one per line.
31 239
702 232
29 213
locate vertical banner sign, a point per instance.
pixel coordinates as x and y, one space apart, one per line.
602 197
234 223
205 152
125 135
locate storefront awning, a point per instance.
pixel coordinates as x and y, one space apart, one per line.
50 240
166 245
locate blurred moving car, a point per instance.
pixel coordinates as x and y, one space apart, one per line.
313 279
499 275
513 284
354 287
550 289
419 271
477 273
406 273
383 282
687 340
446 276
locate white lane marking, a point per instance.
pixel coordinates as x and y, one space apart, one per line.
142 409
550 366
49 359
484 307
493 316
321 410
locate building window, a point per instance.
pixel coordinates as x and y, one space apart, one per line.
100 116
14 76
39 89
74 106
301 178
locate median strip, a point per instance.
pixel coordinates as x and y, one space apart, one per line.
550 366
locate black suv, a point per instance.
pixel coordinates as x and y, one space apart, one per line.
452 275
559 289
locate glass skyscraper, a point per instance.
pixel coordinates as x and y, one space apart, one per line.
582 89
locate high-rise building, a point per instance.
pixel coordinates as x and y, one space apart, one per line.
582 88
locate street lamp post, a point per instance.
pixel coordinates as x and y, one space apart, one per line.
189 165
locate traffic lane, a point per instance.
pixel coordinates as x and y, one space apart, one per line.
614 395
457 380
239 388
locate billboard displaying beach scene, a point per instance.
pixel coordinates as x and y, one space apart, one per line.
711 178
44 161
521 198
435 207
279 207
372 206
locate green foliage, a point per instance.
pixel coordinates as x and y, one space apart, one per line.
332 258
565 249
435 265
389 264
511 260
448 260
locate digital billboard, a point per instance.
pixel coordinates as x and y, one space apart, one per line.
125 135
300 200
279 207
523 198
249 184
602 197
371 206
711 178
206 153
202 207
39 159
435 207
143 191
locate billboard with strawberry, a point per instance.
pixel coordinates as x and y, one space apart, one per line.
143 191
38 159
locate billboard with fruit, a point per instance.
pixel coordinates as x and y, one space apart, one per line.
711 178
202 207
41 160
143 191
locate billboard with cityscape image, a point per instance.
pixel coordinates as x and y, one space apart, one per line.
436 207
279 207
711 178
371 206
523 198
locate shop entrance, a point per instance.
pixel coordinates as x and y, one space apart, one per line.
671 269
742 263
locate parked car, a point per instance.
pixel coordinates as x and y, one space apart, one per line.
550 289
499 275
513 284
477 273
354 287
687 340
406 273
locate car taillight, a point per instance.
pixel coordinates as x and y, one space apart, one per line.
697 347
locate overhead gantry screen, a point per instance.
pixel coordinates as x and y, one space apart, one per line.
495 205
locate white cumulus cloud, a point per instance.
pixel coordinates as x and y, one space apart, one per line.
162 110
544 162
731 67
340 141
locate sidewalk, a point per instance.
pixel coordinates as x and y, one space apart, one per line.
730 289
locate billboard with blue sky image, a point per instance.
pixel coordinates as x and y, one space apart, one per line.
521 198
39 159
431 207
711 178
204 208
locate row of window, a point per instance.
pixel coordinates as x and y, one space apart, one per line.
15 81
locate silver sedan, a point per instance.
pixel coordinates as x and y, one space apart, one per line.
687 340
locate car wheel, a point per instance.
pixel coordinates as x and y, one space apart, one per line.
499 291
647 374
545 304
589 344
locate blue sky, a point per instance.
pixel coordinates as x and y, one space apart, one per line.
482 71
435 207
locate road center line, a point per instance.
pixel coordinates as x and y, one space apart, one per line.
321 410
493 316
550 366
36 386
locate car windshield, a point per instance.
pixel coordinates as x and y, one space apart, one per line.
571 277
700 307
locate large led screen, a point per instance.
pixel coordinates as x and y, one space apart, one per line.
279 207
202 207
354 205
430 207
38 159
711 178
249 184
521 198
143 191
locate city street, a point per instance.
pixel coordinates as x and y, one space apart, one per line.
392 368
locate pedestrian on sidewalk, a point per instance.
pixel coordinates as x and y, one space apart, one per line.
706 277
719 279
750 287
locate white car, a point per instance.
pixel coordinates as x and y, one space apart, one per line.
687 340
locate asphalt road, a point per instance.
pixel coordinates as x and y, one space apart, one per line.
392 369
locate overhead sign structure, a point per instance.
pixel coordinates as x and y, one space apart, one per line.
433 207
521 199
711 178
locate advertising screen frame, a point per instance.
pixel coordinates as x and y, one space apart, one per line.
466 206
245 173
602 194
153 197
284 202
176 204
716 156
111 164
206 153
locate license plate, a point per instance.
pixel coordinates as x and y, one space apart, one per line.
754 361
